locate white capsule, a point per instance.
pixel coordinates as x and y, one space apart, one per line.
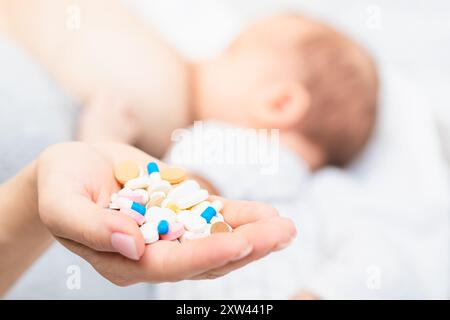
199 208
156 214
217 218
138 195
192 199
217 205
183 189
138 183
149 232
192 222
208 229
155 177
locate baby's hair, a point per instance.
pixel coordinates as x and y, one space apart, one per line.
342 81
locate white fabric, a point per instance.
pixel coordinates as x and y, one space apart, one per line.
402 169
377 230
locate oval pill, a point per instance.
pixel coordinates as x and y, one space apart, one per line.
173 174
126 171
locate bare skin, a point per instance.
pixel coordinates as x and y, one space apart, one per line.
64 194
111 54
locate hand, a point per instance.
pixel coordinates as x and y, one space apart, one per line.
108 118
75 181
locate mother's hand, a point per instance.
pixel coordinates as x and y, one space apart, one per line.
75 181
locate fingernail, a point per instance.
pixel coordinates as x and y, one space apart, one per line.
125 245
243 253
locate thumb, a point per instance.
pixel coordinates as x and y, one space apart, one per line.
101 229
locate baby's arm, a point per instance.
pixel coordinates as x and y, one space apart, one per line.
94 47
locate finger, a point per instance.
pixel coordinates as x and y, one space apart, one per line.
173 261
93 226
165 260
113 266
239 212
266 236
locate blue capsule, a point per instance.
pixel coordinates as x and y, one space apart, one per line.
163 227
138 208
208 214
152 167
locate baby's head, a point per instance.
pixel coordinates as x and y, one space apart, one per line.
300 76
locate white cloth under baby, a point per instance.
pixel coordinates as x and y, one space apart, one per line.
354 241
279 275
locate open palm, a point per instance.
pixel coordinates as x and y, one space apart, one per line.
75 181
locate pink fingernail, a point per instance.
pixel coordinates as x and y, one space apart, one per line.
125 245
243 253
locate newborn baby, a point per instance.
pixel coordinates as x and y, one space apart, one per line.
290 73
286 72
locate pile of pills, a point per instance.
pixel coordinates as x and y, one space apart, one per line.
165 204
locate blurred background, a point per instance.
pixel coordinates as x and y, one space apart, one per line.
407 162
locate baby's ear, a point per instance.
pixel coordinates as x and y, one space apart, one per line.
283 105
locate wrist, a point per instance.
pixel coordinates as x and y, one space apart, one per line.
23 236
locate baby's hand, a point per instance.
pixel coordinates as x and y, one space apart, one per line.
107 118
75 181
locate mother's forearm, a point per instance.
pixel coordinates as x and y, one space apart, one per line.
23 238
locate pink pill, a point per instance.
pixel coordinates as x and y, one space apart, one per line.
140 219
132 196
176 230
